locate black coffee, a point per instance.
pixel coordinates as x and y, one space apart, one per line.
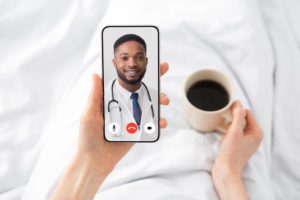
208 95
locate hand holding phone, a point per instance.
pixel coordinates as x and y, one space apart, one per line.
96 157
93 148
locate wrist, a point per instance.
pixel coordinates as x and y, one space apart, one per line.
88 178
80 181
228 182
223 171
90 166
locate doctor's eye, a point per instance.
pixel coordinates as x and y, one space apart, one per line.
140 57
124 58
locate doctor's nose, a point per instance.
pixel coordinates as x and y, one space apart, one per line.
132 62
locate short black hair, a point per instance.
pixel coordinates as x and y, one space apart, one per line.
130 37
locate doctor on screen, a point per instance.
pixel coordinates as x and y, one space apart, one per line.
130 105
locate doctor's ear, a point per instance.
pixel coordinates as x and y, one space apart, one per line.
114 62
146 61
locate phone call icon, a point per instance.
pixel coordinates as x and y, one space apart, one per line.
131 127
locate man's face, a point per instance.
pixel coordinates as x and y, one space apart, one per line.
130 62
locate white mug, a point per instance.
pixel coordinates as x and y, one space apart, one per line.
206 121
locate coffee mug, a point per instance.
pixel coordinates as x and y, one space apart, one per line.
208 96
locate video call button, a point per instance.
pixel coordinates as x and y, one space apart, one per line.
114 128
131 127
149 128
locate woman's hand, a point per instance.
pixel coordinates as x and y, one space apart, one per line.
93 148
95 157
237 146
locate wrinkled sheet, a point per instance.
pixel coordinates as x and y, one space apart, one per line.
46 62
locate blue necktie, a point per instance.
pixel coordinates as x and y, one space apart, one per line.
137 112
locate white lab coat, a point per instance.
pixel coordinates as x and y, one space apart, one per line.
127 116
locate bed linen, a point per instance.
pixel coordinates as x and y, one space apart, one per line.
48 62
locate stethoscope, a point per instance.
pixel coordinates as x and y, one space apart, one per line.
113 100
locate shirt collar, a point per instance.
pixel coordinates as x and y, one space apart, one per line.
125 94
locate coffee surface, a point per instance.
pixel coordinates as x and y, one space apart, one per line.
208 95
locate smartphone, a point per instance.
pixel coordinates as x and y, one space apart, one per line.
131 83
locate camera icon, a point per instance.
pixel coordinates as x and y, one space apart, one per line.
149 128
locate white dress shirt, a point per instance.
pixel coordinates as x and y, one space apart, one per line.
125 95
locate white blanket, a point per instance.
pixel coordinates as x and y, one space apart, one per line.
42 47
282 22
50 65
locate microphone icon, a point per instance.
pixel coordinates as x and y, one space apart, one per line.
114 128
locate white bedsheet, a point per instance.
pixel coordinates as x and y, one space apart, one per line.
282 21
42 45
49 68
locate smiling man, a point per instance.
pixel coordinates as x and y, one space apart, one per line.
130 61
131 107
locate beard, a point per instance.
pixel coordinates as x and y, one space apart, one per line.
130 82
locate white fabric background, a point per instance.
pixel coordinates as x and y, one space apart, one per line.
48 51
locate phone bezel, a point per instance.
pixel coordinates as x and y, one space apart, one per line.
158 64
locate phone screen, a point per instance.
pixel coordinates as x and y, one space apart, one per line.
130 71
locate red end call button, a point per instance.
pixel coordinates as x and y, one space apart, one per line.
131 127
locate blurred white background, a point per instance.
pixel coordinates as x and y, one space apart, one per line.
49 49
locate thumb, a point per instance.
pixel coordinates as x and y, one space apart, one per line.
238 121
94 104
